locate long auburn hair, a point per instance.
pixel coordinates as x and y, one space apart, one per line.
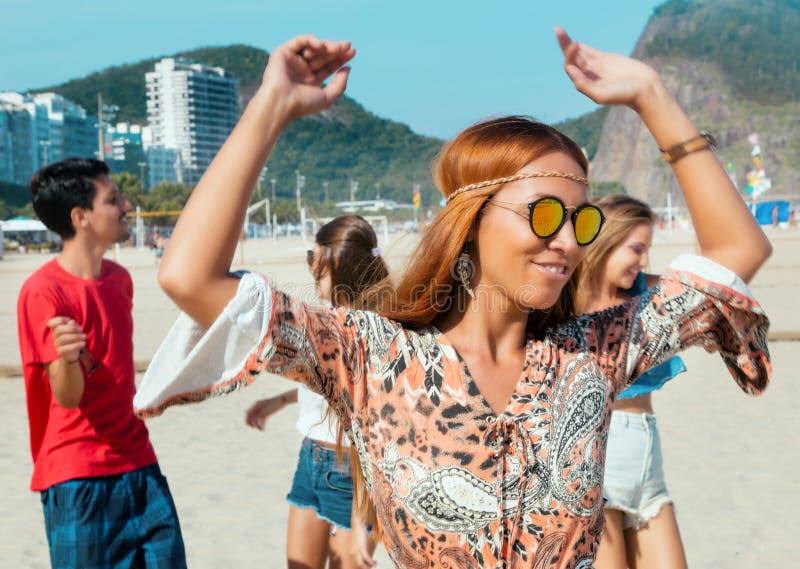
485 151
623 213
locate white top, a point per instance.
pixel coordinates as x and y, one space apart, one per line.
314 420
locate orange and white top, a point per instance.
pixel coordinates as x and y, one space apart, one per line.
454 483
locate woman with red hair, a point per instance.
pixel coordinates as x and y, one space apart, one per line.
478 403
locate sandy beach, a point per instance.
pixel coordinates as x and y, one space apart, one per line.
730 461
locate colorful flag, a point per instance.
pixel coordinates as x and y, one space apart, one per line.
757 181
417 198
731 170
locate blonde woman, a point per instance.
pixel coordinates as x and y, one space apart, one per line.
640 526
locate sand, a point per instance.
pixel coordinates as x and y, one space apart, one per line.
731 460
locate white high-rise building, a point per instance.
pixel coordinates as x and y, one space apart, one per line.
191 108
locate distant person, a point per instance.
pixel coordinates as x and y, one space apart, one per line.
106 503
640 528
323 526
160 246
478 401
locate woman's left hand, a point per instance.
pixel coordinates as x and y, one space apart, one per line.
606 78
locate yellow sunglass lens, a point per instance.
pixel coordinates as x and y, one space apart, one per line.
547 216
587 225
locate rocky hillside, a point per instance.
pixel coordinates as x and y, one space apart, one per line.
733 64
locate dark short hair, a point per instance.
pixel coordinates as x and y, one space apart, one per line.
61 186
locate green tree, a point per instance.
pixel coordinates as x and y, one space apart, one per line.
585 130
129 186
598 189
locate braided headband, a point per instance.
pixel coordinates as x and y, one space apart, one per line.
515 177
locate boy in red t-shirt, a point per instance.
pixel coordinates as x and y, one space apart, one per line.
105 501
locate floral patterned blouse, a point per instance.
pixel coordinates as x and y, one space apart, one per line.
454 484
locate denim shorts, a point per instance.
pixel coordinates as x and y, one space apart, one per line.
634 475
108 522
323 483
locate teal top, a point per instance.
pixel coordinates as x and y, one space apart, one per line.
653 379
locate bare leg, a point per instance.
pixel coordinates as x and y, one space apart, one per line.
306 539
657 545
611 554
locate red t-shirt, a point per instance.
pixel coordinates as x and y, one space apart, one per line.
101 436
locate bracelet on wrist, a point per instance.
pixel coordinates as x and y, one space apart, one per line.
674 153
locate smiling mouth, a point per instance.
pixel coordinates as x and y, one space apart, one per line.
558 270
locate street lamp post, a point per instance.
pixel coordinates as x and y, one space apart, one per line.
301 182
141 174
353 190
101 151
273 181
325 188
105 114
261 177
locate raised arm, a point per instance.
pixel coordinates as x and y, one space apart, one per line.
726 230
195 268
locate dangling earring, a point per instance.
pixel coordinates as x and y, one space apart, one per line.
464 272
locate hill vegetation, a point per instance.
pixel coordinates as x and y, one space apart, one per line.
346 143
585 129
733 66
755 43
734 61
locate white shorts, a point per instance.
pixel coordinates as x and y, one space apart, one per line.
634 475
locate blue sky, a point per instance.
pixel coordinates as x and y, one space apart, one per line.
437 66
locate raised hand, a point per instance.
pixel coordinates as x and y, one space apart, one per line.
68 337
298 69
195 269
606 78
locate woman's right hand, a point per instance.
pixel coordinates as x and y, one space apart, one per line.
362 546
297 69
258 413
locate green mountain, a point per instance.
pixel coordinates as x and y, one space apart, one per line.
342 144
755 43
733 66
585 129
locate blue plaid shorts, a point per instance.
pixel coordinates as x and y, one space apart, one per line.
107 522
